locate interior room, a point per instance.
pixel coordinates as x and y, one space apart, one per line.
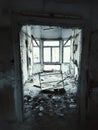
50 62
48 65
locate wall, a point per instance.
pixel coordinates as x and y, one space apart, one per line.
37 68
65 68
77 49
30 55
93 62
6 50
23 56
26 52
92 67
7 75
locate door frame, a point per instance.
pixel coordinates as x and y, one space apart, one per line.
18 20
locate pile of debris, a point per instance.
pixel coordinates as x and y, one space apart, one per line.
50 104
54 101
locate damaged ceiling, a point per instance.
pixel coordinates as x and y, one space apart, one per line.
50 32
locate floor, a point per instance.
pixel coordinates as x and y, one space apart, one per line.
51 108
55 109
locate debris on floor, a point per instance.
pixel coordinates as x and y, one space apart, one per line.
50 102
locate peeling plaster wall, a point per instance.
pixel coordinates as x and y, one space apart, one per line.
77 48
30 54
26 52
28 67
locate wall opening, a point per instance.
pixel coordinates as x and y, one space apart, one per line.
50 62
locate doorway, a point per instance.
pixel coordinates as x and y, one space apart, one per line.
50 62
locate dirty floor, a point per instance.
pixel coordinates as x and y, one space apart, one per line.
55 109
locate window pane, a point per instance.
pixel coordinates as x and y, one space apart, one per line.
66 54
51 43
51 67
55 54
36 57
34 43
68 43
47 56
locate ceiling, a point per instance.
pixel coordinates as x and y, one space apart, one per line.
50 32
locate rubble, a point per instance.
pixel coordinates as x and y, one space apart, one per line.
40 114
51 102
41 108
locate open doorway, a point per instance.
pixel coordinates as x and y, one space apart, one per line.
50 62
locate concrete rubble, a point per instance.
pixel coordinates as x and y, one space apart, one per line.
50 102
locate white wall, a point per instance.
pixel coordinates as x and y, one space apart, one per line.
76 56
65 68
37 68
26 52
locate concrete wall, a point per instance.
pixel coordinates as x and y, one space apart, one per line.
23 57
92 65
93 55
7 75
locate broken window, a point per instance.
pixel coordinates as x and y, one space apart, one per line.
36 52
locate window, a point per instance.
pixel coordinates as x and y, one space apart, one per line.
51 43
36 52
55 54
51 67
47 55
66 55
66 52
51 51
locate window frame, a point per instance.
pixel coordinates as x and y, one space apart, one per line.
36 46
65 46
51 57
